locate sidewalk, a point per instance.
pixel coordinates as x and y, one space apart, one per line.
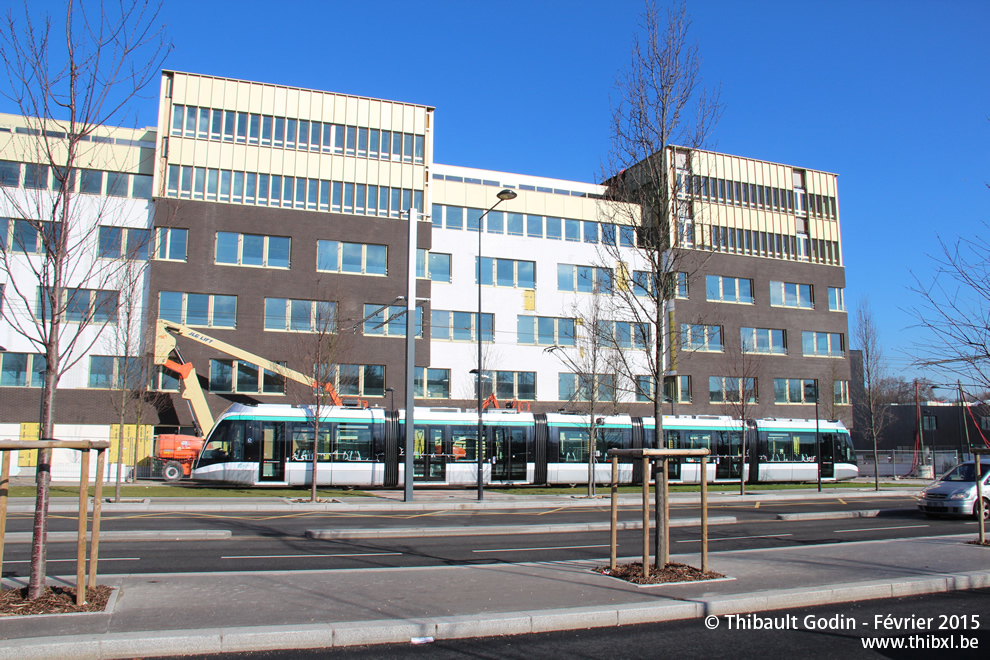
174 614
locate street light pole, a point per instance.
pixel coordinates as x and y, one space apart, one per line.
503 196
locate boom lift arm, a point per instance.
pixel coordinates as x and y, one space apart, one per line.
167 331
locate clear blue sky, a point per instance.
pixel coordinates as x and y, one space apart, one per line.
892 96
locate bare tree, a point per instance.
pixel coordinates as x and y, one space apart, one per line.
740 396
67 78
875 410
955 310
593 357
321 347
125 340
660 103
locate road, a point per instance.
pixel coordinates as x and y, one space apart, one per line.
693 639
277 541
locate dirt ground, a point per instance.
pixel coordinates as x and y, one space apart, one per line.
672 572
55 600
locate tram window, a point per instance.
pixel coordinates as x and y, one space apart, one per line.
301 438
609 439
463 441
352 442
573 446
844 452
780 446
804 445
673 439
697 440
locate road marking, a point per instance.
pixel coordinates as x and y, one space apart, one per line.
757 506
878 529
735 538
842 501
556 547
352 554
102 559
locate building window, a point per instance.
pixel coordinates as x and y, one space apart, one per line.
822 344
243 378
584 279
29 236
432 383
728 289
252 250
836 299
163 380
624 334
198 309
22 370
288 315
378 324
727 389
355 258
507 273
763 340
171 243
840 392
116 241
643 284
36 176
81 305
701 337
788 294
116 373
439 266
579 387
510 384
461 326
10 174
794 390
360 379
545 331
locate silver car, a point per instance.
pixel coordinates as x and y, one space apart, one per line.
955 492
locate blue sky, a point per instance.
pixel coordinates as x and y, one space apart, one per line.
892 96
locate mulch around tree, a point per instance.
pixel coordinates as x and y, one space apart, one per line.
55 600
672 572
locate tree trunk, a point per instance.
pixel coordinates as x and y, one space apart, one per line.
43 478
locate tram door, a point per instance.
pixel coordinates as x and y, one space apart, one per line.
429 457
508 454
827 442
728 454
272 451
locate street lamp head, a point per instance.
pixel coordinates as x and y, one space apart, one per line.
506 195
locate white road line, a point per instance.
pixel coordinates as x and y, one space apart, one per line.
555 547
363 554
735 538
102 559
879 529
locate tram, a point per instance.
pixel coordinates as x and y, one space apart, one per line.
273 445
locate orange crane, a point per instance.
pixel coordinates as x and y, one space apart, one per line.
179 452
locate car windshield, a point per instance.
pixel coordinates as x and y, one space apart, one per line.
965 472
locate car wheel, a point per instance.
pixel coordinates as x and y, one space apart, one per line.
986 509
172 471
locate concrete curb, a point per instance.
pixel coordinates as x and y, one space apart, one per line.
136 535
480 530
228 640
832 515
361 504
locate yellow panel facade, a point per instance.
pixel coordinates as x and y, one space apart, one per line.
29 432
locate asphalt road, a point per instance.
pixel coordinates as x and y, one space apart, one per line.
271 541
831 631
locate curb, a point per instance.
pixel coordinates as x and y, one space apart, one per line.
382 504
480 530
113 646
